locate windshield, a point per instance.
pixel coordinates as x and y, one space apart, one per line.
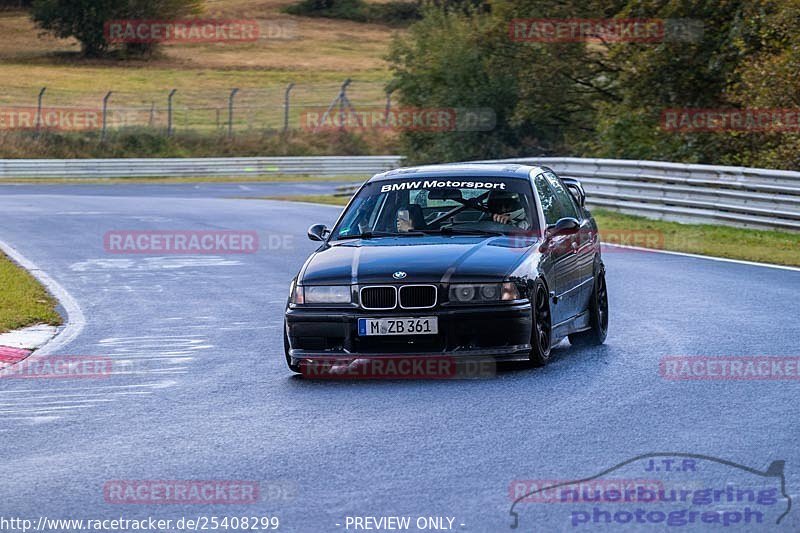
410 207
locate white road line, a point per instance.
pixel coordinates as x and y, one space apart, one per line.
38 404
83 396
155 385
709 257
75 320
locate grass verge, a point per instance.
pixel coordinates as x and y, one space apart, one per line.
23 301
775 247
761 246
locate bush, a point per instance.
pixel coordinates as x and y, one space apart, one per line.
143 142
395 13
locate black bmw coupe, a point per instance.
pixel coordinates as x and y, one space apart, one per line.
462 260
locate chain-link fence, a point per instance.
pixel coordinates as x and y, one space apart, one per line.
223 112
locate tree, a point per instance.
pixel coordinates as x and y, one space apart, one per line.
82 19
445 63
544 95
85 19
767 78
606 99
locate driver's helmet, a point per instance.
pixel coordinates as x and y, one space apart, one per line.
504 202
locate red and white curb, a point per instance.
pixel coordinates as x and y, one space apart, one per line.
16 346
74 319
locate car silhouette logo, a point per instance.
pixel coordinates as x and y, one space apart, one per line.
399 275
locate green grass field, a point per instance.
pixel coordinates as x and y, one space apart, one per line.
777 247
315 54
23 301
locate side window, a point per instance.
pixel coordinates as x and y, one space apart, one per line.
551 207
563 197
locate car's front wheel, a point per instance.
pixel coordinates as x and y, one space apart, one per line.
292 367
598 315
542 327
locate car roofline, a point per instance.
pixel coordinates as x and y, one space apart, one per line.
477 169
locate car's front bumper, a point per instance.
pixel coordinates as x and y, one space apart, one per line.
502 332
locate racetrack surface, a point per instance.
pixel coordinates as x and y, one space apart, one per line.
207 396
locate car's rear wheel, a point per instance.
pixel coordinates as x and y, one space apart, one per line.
598 315
292 367
542 327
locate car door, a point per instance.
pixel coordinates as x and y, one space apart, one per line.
560 252
581 244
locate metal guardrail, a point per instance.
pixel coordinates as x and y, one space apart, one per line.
233 167
737 196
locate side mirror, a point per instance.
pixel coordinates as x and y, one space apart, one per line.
317 232
576 190
565 226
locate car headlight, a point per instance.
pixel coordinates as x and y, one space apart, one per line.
326 294
483 292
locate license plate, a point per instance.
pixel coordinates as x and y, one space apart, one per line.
426 325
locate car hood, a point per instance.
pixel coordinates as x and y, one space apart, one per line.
431 259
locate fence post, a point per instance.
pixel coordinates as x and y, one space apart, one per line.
388 105
39 108
169 112
286 107
230 113
343 103
105 115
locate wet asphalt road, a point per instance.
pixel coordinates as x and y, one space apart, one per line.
203 393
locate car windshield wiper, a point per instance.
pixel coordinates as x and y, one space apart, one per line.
372 234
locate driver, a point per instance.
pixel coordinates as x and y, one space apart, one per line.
507 208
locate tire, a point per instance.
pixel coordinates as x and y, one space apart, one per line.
542 326
598 315
293 368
